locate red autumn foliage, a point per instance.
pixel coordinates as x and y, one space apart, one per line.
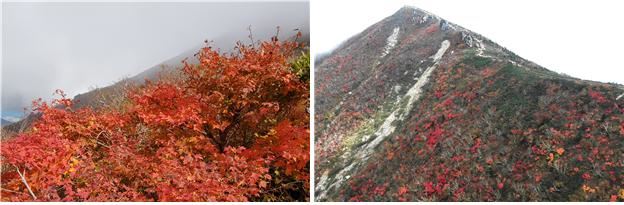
597 96
429 188
488 72
432 29
434 136
402 190
485 127
586 176
234 128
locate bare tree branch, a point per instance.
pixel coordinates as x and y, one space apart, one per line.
253 44
8 190
100 143
25 183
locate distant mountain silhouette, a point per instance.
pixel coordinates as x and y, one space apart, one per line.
114 94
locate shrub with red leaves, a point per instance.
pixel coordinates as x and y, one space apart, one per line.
234 128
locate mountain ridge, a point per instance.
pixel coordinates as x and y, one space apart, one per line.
113 94
393 80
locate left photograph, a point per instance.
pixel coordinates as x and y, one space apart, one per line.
202 101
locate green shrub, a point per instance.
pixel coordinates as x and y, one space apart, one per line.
301 66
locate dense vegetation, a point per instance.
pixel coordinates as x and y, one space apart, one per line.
234 127
499 133
487 126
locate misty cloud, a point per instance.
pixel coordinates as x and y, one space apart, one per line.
75 46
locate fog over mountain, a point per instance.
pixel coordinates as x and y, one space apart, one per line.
78 46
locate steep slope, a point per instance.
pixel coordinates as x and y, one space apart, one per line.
418 108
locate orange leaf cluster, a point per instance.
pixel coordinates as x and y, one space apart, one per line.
214 135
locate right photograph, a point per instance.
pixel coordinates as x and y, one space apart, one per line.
415 107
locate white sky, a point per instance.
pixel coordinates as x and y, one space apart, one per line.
580 38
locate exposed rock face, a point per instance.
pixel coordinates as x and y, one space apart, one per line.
392 40
467 38
418 108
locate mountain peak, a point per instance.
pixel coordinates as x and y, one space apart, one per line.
419 94
414 13
413 10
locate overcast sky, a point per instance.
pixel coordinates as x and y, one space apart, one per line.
75 46
581 38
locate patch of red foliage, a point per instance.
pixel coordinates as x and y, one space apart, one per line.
213 136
